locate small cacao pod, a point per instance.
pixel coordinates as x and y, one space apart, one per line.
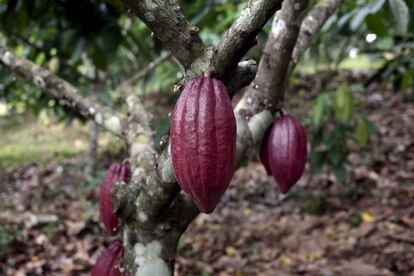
287 151
108 263
264 150
117 172
203 141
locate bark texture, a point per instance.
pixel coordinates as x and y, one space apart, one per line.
269 83
165 20
242 36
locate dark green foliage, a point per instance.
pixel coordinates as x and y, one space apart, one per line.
334 122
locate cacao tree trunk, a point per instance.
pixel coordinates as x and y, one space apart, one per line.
150 253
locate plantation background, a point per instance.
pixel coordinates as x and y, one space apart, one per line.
352 213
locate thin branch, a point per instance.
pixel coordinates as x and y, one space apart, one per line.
311 26
144 72
62 90
165 20
273 66
241 36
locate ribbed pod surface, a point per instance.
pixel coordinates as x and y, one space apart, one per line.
109 261
203 141
117 172
287 151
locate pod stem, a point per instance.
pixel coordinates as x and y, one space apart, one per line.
283 111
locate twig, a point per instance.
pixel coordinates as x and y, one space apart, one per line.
142 73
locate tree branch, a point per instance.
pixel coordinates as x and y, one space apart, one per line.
62 90
143 72
311 26
242 76
165 20
268 85
241 36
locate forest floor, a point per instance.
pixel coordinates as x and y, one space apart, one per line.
49 221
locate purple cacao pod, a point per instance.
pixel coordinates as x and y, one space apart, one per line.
117 172
287 151
108 263
264 150
203 141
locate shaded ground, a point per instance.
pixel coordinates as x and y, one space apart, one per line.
49 218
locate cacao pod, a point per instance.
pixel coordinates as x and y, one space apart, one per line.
264 151
108 263
287 151
117 172
203 141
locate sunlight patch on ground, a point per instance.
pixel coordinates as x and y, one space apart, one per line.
24 140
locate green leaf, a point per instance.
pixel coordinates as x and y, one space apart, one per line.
110 39
344 103
319 109
362 13
401 14
77 52
317 159
406 80
69 38
98 56
362 131
377 24
316 206
40 59
54 64
341 173
355 219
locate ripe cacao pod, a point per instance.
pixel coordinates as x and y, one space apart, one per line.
108 263
203 141
117 172
264 151
287 151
